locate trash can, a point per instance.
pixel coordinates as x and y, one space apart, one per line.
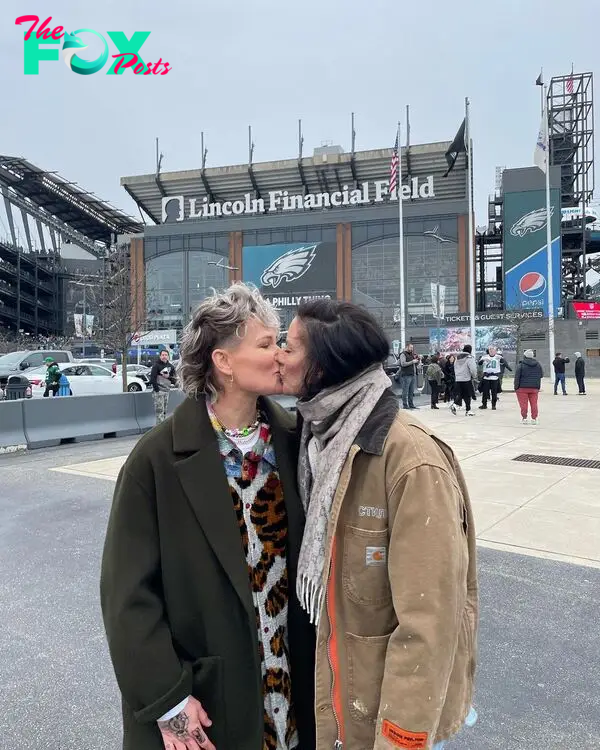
17 387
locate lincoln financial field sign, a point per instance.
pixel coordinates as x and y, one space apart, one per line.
178 208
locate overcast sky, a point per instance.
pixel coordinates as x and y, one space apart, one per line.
268 63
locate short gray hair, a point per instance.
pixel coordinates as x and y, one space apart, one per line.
219 321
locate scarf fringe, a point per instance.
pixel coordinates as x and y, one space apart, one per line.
310 595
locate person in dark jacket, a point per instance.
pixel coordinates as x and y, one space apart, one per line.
528 381
209 643
409 362
559 372
580 373
449 379
163 377
434 375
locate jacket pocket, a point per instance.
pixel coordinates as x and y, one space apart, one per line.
364 571
208 686
366 664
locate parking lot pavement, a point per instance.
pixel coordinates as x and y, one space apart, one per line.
538 680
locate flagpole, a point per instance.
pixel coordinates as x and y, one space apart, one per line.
549 253
401 247
471 237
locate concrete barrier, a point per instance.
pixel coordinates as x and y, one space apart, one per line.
48 422
12 433
144 410
55 421
176 397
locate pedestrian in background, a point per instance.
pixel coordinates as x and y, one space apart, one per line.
449 379
491 365
580 373
162 378
559 373
434 375
408 376
52 378
465 371
528 381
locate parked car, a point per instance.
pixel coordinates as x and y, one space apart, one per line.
107 362
16 363
87 380
391 366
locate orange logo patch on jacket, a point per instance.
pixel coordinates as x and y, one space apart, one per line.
402 738
376 556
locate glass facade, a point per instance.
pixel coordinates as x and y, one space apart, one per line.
179 275
431 255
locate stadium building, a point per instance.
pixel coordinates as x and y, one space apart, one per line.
54 247
316 226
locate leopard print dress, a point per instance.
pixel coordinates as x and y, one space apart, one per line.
257 497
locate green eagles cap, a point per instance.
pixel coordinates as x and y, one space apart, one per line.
48 360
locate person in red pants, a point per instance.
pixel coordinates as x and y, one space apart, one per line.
528 381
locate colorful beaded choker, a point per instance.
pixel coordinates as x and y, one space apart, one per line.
238 432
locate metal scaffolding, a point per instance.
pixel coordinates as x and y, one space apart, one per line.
571 135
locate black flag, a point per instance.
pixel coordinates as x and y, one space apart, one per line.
539 81
458 147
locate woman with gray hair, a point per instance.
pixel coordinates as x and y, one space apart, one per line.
210 646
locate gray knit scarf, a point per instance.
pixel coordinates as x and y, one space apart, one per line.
332 420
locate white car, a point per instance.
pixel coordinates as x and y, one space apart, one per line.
85 380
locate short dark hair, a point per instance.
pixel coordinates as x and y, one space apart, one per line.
342 340
467 348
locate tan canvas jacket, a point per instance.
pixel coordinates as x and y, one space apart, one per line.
396 644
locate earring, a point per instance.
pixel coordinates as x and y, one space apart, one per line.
231 378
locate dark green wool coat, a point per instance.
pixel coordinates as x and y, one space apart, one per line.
175 591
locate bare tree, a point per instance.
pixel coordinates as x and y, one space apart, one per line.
124 299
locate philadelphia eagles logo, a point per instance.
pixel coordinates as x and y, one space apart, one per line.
531 222
289 266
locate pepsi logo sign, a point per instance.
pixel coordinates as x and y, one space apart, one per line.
532 284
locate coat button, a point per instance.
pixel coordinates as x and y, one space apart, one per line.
323 708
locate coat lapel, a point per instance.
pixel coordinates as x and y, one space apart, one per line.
203 479
285 442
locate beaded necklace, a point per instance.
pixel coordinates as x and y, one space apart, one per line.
235 432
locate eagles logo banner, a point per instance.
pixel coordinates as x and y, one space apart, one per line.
525 250
288 273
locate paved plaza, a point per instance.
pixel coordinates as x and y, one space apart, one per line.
539 532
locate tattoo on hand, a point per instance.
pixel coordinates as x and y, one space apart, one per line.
178 725
199 736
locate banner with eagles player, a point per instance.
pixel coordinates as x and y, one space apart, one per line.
525 255
291 272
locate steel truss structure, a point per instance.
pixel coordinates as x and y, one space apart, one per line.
31 274
571 136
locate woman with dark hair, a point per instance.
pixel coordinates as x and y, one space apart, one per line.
449 378
387 566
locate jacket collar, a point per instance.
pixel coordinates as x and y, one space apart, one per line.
372 435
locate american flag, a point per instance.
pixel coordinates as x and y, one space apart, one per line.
394 167
570 84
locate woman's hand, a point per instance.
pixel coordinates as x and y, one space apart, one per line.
186 730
